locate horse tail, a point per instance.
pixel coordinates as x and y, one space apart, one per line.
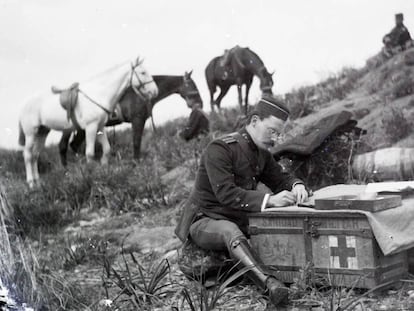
22 137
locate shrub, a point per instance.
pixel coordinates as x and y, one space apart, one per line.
395 125
138 288
403 87
301 102
81 249
227 122
305 100
37 211
330 163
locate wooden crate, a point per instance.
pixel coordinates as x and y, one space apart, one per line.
340 246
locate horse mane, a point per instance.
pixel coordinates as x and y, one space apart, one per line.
159 79
107 71
164 83
254 53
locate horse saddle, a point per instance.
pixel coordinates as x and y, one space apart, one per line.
116 115
68 99
226 66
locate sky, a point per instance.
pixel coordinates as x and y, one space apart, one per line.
45 42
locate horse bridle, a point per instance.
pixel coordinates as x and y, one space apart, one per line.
188 94
137 90
266 87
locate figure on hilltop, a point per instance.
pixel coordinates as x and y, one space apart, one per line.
398 39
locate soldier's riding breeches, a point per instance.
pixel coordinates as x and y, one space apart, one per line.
215 234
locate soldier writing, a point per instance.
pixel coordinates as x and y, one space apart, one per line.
225 191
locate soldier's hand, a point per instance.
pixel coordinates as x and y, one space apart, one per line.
300 193
283 198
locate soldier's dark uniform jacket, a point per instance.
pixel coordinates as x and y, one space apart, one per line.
198 123
226 181
398 36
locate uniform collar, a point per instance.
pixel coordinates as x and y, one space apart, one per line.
249 139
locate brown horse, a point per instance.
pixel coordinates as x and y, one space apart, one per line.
134 110
237 67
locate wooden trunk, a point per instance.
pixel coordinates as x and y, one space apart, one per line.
340 247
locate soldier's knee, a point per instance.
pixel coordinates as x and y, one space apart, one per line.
230 232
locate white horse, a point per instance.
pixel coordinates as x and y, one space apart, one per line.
97 99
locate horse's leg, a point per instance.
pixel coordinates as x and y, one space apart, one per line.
63 146
223 92
138 124
77 140
102 138
212 103
37 148
239 92
91 132
28 159
246 98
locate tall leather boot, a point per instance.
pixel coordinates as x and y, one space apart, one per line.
242 252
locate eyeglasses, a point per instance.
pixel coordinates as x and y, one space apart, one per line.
275 135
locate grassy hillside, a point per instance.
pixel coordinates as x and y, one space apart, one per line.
380 96
69 235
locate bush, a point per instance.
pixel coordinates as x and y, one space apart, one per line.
329 164
307 99
404 87
395 125
301 102
38 211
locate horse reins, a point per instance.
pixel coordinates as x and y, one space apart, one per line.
95 102
141 84
136 90
189 94
265 88
142 96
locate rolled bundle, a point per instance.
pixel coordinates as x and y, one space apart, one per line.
385 164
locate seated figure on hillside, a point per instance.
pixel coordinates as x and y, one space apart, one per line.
398 39
198 123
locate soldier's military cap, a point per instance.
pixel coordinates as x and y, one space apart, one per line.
269 105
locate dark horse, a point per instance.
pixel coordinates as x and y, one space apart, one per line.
236 67
134 110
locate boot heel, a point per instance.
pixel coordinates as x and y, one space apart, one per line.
277 292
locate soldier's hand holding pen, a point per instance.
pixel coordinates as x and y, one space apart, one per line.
300 192
283 198
298 195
